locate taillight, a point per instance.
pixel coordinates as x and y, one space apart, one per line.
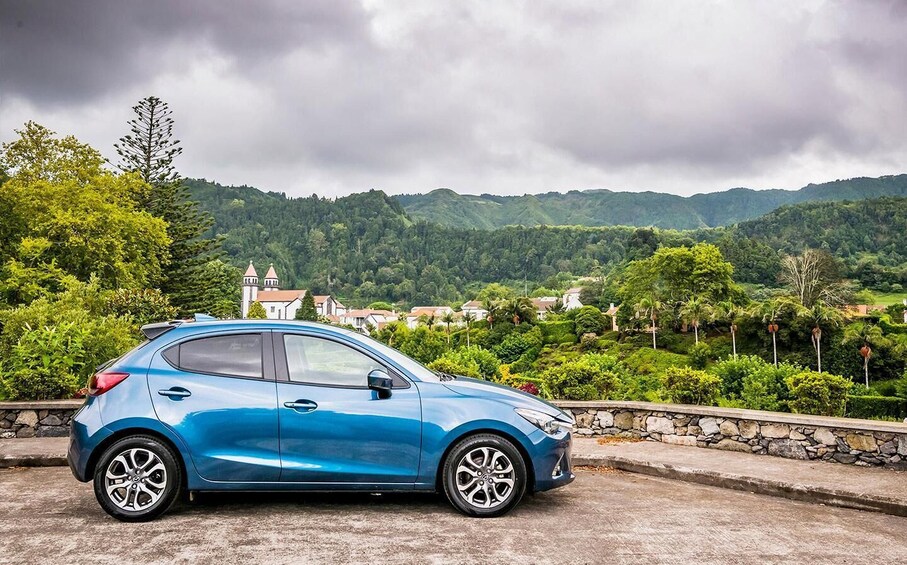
99 383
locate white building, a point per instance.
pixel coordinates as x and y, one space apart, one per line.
571 299
429 312
283 304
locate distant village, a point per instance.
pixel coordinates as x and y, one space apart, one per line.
282 305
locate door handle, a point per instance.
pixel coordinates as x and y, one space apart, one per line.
301 405
175 392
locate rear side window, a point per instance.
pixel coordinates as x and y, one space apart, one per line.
233 355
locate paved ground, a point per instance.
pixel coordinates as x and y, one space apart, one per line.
880 489
605 516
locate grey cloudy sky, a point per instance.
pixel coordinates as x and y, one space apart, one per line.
333 96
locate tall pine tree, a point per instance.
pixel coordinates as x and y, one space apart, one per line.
307 309
149 150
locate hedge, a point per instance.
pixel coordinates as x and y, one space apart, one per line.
876 407
557 332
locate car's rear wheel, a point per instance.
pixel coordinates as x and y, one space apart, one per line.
137 479
484 475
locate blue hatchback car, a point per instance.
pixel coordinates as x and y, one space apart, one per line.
280 405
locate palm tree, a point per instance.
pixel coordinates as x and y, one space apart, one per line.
693 311
520 310
468 317
821 315
448 319
493 308
728 312
771 311
649 307
868 335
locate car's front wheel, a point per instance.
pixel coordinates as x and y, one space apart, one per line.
137 479
484 475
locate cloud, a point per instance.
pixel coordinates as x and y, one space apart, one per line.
335 97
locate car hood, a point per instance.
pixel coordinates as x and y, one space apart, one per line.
475 387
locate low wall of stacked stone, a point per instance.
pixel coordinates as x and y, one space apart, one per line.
794 436
37 419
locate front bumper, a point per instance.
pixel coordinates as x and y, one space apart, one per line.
551 462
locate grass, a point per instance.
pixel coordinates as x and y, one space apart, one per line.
889 298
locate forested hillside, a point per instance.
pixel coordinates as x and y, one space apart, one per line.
607 208
364 247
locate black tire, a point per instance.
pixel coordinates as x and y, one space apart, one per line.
165 470
453 480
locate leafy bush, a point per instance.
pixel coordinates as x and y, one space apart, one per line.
530 388
765 388
456 366
590 377
733 371
557 332
700 354
877 407
512 347
145 306
256 311
50 347
648 361
690 386
423 344
468 361
590 319
822 394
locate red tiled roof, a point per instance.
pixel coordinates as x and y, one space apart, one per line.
279 295
250 272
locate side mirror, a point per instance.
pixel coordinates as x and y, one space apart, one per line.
380 381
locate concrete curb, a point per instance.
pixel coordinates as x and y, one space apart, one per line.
782 489
26 460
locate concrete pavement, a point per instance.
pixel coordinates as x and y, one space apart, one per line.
604 516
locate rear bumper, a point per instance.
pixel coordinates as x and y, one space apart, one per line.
551 462
85 433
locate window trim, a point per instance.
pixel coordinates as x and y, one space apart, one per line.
281 362
267 355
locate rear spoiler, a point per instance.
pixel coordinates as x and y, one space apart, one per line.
158 329
152 331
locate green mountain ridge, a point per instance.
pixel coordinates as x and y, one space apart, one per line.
602 207
365 247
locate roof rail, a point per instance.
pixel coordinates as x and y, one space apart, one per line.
152 331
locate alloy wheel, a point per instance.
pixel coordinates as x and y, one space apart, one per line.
135 479
485 477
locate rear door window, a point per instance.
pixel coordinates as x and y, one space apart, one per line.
237 355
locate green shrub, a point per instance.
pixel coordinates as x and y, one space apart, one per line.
590 319
557 332
877 407
690 386
765 388
423 344
643 388
590 377
145 306
700 354
512 347
456 366
50 347
732 372
469 362
822 394
648 361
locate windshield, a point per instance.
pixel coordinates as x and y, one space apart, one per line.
419 370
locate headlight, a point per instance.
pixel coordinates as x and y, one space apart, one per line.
548 424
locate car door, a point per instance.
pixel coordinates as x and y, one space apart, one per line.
333 428
217 391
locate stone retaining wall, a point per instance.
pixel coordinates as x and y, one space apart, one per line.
794 436
37 419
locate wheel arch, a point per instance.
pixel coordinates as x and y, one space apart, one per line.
527 460
99 450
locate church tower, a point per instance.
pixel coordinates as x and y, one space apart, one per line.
271 279
250 288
